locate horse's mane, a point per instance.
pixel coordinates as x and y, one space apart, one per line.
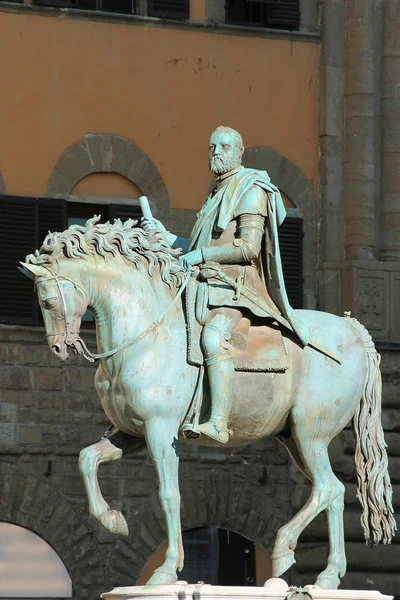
108 240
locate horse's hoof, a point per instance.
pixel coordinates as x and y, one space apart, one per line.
161 577
281 563
114 522
328 582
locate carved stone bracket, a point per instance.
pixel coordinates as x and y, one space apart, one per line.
371 291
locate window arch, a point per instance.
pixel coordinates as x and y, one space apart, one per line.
109 153
29 567
292 182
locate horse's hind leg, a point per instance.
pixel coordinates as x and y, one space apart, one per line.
336 567
89 460
327 494
161 437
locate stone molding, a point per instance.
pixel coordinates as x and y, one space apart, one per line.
109 153
29 502
291 180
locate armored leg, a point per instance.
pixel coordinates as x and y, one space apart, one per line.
215 340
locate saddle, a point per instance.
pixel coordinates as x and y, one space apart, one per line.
254 347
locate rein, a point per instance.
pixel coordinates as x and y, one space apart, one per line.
89 355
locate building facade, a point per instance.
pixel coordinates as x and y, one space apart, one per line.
105 101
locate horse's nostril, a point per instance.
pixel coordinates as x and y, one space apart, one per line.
57 348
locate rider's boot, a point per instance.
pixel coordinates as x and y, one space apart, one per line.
220 376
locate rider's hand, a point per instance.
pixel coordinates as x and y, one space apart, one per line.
191 259
152 225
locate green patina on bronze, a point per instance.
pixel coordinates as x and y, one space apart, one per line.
133 281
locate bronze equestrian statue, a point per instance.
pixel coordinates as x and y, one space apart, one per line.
297 375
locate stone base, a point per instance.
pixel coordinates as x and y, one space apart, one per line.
274 589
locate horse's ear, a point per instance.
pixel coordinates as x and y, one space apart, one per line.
32 270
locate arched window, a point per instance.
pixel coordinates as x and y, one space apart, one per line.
29 567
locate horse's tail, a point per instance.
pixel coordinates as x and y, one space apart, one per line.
374 489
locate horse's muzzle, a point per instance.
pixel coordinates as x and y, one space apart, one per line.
60 350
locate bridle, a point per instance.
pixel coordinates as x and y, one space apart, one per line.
72 337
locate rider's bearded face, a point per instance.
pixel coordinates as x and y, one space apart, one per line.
224 153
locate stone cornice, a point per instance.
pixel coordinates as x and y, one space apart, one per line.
372 265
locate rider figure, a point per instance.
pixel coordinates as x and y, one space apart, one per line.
236 228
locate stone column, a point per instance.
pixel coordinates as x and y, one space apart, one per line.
360 129
390 249
331 143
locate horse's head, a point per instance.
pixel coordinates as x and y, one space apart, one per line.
63 301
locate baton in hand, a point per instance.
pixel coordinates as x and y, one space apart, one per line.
145 206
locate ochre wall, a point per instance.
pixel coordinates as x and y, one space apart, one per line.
163 89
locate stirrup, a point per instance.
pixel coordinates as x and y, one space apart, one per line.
190 431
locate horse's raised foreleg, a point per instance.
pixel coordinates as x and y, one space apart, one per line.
89 460
162 442
327 493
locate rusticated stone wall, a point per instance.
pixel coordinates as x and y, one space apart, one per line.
49 412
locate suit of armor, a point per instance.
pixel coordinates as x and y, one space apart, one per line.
237 228
230 231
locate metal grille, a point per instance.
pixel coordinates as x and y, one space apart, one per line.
24 223
291 247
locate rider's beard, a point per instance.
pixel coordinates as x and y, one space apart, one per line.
220 166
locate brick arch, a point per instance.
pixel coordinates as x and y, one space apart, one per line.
291 180
31 503
209 497
109 153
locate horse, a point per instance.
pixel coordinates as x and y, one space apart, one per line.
133 283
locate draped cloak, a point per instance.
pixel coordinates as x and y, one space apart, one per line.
223 205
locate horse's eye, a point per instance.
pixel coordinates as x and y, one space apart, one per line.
49 303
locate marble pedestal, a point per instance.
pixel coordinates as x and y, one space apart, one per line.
274 589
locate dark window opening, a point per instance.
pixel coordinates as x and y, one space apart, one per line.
218 557
119 6
280 14
164 9
169 9
116 6
291 248
24 224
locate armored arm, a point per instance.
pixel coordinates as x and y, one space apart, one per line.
152 224
244 248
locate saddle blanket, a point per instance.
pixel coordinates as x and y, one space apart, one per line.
254 348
